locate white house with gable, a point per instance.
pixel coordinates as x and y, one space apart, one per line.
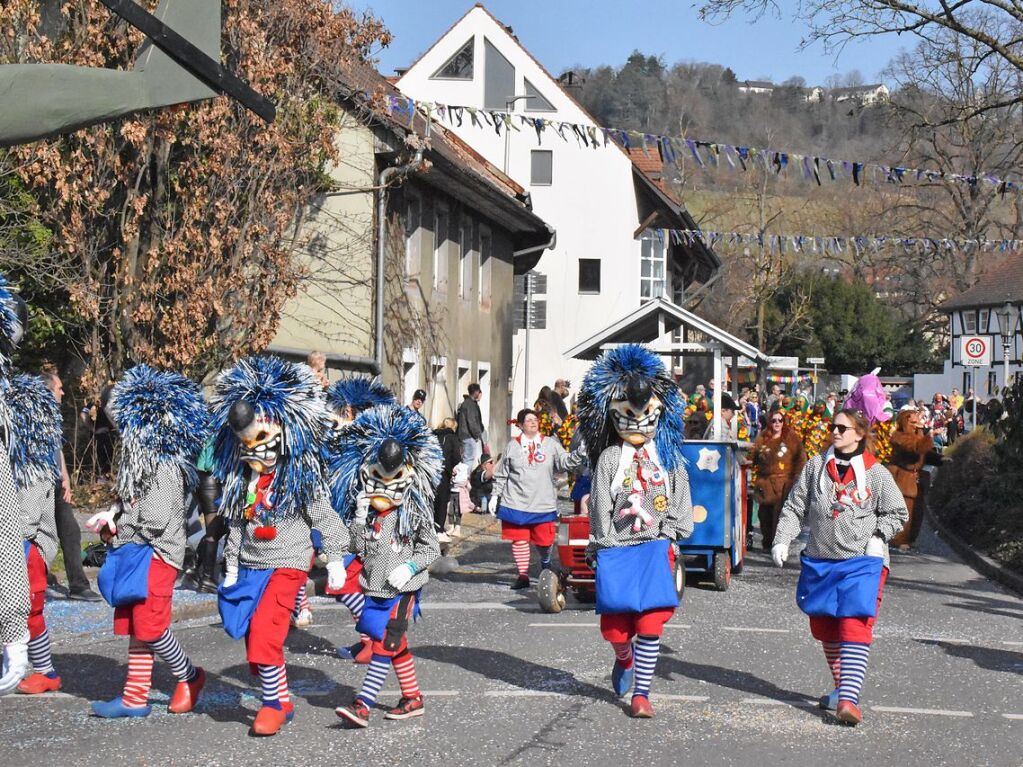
610 207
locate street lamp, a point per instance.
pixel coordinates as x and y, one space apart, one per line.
1007 327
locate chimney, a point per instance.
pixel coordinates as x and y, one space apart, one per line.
571 82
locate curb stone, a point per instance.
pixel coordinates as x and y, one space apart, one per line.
982 563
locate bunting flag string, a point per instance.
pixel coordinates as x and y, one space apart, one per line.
706 154
837 245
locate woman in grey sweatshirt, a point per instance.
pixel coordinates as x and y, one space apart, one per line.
524 483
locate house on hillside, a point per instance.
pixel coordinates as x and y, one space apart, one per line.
759 87
611 208
451 231
866 95
990 311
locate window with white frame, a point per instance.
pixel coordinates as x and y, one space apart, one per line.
498 78
541 167
653 256
440 247
466 247
970 322
413 220
983 317
485 278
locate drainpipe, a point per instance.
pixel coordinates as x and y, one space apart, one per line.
387 176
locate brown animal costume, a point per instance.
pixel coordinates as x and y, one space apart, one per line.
778 463
911 449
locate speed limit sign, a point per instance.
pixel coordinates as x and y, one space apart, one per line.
975 351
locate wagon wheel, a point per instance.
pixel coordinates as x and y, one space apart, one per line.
587 595
722 570
679 574
549 592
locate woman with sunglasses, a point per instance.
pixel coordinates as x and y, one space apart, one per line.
778 456
853 507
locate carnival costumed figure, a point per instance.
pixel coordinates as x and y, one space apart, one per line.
387 470
346 399
15 599
271 420
911 447
36 430
163 421
778 457
852 507
631 417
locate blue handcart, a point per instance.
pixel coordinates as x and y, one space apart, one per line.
717 546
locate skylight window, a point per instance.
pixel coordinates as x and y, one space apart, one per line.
459 66
536 102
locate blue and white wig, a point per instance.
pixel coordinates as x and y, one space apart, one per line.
37 431
11 328
606 381
162 418
359 393
360 445
289 395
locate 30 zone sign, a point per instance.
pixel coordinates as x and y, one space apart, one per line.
976 351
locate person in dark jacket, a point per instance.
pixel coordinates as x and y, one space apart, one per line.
470 425
481 484
452 450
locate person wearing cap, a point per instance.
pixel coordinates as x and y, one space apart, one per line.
418 400
729 423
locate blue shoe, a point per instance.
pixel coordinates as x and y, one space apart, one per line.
829 702
115 709
344 653
621 678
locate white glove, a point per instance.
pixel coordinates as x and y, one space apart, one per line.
98 521
361 509
230 577
15 667
492 507
779 553
401 575
336 575
875 547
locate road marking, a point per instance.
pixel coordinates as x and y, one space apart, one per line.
429 606
549 625
683 698
525 694
926 711
1013 644
797 702
1018 717
430 693
41 696
755 629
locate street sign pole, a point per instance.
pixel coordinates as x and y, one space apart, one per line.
529 321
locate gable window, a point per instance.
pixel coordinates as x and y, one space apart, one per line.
440 248
485 279
652 267
589 275
970 322
459 66
413 218
541 167
465 266
499 79
536 102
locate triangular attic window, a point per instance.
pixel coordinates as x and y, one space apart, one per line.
459 66
536 102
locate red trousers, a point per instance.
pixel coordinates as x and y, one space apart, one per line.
859 630
148 620
37 588
264 644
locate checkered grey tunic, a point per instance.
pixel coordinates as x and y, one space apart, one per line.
292 546
38 519
383 551
14 597
608 529
846 535
157 518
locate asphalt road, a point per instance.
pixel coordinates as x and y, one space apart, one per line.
507 684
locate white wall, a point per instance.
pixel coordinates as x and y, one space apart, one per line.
591 203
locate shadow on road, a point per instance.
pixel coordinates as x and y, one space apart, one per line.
989 658
973 599
502 667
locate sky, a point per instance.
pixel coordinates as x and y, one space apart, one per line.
567 33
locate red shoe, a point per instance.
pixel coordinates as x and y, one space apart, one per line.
269 721
849 713
34 684
289 711
186 694
641 708
406 709
365 655
357 713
